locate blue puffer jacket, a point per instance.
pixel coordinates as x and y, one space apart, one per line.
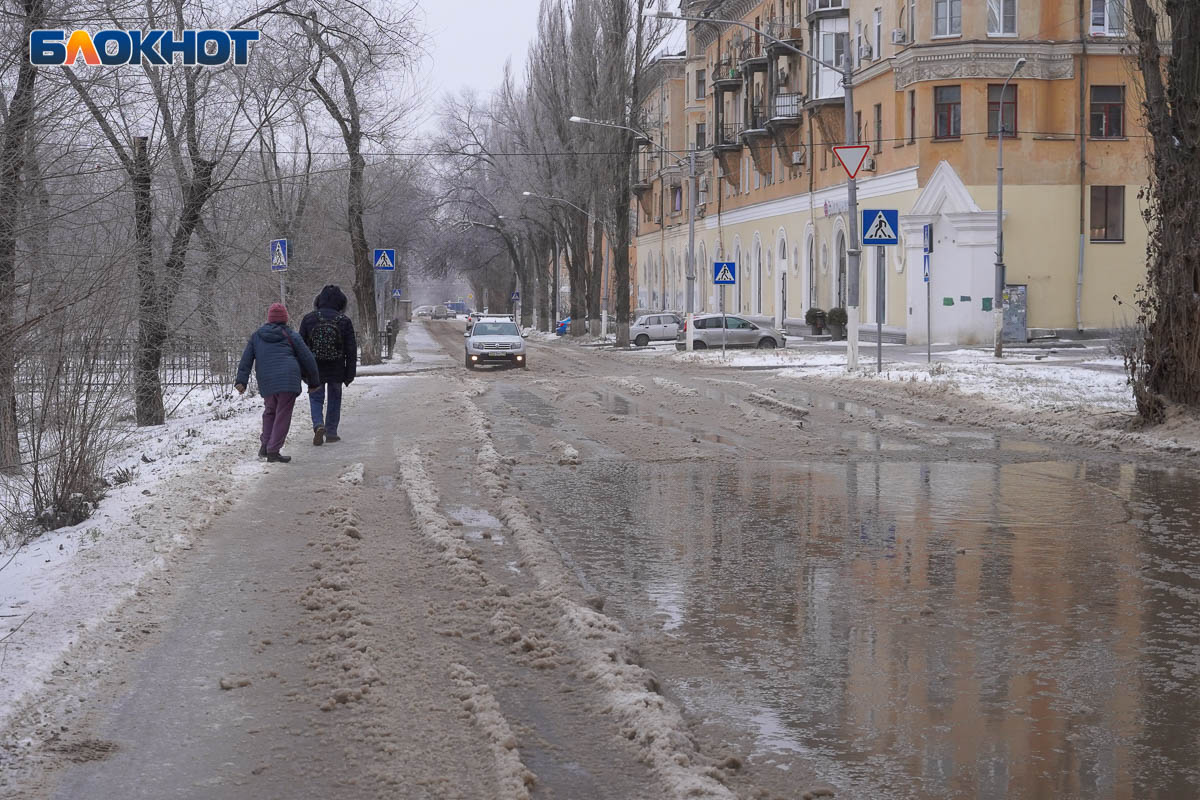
278 363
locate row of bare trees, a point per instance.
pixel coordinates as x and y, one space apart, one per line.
522 185
136 202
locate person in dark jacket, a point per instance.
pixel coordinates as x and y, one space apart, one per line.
329 333
280 359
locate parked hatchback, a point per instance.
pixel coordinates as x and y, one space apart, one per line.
654 327
738 332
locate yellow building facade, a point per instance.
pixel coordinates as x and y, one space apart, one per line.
929 101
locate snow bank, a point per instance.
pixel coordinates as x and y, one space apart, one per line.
183 474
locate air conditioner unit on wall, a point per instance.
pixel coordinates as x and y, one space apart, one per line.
864 52
798 157
868 164
898 36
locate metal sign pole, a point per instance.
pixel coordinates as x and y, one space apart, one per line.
880 277
282 293
723 323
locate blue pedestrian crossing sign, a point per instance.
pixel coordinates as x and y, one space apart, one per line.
516 297
724 272
880 226
385 260
278 255
397 293
926 257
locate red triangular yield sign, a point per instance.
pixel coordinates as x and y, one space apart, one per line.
852 157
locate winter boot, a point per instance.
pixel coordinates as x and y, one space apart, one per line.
319 435
278 457
332 437
262 451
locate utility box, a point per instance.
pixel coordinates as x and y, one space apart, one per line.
1015 329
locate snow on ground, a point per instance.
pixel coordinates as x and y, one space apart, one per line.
67 580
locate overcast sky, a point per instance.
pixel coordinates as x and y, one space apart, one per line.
470 41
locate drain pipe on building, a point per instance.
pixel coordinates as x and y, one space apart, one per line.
1083 134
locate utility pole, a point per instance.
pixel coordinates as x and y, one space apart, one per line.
998 298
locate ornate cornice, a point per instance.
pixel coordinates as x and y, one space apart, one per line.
976 59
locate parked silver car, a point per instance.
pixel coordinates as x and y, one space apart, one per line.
739 332
654 327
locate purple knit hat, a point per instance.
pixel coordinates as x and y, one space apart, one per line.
277 313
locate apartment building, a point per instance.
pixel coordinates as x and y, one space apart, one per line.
928 95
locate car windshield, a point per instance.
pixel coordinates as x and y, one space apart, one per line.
495 329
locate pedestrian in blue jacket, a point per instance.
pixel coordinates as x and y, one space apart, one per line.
280 359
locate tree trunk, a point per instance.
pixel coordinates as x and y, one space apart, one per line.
20 118
364 270
218 355
623 196
151 327
577 260
1167 370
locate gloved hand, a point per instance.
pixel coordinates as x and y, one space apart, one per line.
241 388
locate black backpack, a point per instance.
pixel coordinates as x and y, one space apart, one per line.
326 338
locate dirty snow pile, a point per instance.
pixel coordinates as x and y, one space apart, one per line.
177 477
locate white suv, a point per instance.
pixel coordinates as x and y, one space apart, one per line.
495 339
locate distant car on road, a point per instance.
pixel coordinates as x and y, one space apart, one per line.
440 312
494 341
654 327
738 332
423 311
456 308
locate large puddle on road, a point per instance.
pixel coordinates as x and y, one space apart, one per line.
910 630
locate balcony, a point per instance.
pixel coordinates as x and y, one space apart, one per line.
756 125
785 111
783 30
752 55
726 76
828 8
728 137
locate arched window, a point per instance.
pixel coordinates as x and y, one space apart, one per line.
840 252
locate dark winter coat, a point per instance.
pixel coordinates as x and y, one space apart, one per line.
331 304
280 358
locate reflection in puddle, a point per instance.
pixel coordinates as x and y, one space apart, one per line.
916 630
479 524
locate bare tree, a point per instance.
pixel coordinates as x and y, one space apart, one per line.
17 122
1167 368
354 47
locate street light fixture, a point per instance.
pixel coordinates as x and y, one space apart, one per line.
854 251
998 299
690 274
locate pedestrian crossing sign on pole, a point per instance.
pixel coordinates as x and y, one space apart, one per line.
724 272
926 258
397 293
879 226
385 260
516 297
278 255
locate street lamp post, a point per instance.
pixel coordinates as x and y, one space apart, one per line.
998 298
690 276
853 250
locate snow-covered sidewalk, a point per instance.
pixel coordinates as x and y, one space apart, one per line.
179 475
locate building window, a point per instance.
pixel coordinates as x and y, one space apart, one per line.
1002 17
947 111
912 21
912 116
1108 17
947 17
877 45
1108 213
1002 110
701 136
878 128
701 88
1108 112
677 199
